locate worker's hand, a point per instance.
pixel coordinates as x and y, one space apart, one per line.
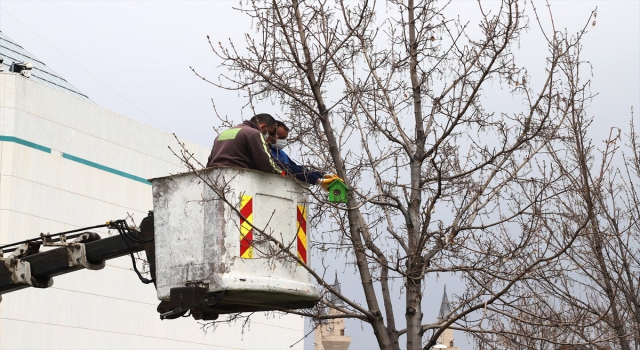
327 180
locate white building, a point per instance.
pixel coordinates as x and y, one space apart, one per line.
67 163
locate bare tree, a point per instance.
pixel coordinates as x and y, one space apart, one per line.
603 265
592 300
404 102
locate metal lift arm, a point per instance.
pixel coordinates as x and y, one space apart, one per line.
28 267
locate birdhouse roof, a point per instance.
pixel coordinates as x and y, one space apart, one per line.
338 184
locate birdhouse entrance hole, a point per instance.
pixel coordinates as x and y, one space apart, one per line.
338 192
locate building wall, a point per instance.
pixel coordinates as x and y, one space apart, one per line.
447 338
66 163
331 334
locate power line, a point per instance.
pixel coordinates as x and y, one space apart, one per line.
86 71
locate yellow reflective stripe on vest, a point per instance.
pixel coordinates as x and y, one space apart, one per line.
266 149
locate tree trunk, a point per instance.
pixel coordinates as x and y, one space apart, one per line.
375 316
413 278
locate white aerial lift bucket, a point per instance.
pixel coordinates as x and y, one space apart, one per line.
209 259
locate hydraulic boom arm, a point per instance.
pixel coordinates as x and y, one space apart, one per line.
26 266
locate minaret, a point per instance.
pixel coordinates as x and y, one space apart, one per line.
446 338
330 333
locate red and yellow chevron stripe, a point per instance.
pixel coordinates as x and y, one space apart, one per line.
246 231
302 233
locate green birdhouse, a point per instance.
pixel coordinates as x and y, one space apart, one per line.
338 192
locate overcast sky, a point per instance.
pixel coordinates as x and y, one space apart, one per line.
133 57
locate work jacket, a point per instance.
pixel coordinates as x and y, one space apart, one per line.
292 168
242 147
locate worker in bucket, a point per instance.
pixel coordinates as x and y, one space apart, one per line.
244 146
278 141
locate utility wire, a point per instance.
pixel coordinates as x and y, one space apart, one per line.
86 71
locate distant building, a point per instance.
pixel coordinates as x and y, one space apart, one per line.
446 338
67 163
330 333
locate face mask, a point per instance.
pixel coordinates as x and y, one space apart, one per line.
281 143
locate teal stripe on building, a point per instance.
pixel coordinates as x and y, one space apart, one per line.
25 143
104 168
74 158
